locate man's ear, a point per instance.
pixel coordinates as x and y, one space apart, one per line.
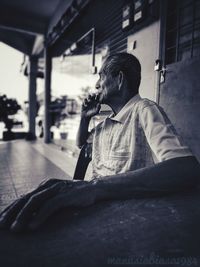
120 79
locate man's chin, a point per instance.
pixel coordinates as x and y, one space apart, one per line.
101 99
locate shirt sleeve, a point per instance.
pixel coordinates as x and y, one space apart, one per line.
90 137
161 135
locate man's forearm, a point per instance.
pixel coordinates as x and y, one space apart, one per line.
82 134
173 175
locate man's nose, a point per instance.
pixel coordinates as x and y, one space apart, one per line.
97 86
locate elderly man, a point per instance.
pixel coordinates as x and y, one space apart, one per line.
125 148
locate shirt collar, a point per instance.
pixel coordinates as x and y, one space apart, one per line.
122 115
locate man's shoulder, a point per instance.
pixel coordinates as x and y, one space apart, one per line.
144 103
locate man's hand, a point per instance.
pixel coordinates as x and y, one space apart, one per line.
80 196
31 210
90 106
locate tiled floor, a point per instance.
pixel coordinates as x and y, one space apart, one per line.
23 165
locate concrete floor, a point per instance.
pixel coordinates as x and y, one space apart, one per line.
23 165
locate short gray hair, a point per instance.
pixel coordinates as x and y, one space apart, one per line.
128 64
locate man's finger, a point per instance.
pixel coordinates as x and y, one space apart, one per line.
98 107
89 96
65 200
47 182
8 207
85 102
10 213
49 208
32 206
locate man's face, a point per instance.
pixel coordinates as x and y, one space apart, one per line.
107 86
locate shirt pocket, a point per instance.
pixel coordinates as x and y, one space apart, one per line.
123 155
117 161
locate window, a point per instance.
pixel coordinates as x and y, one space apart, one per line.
182 30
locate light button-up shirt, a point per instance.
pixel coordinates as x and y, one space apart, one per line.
138 136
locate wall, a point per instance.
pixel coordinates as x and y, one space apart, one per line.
180 97
147 50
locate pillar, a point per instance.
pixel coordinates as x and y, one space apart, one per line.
33 61
47 95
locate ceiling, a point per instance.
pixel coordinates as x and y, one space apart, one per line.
24 23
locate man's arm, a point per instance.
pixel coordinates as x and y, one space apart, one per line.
82 134
174 175
90 108
170 176
160 133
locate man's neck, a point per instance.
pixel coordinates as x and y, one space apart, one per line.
118 103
